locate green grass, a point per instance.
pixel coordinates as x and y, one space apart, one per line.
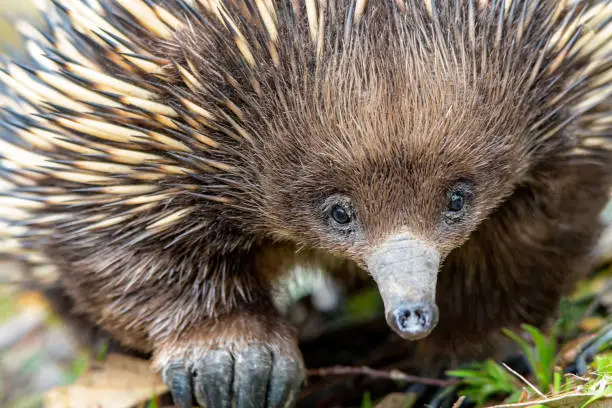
488 382
542 355
602 385
366 402
481 382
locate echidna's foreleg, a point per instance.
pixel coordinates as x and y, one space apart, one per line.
247 357
208 319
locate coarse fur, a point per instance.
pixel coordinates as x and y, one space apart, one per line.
169 162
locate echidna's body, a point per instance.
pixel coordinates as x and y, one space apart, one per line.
169 161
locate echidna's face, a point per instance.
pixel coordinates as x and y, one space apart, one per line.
398 213
395 180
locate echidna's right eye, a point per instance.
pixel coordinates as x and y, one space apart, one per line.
340 214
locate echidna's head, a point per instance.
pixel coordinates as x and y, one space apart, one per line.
393 165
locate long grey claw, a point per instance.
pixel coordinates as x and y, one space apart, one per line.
285 382
179 381
213 381
252 371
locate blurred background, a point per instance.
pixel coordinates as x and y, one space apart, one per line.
9 10
36 352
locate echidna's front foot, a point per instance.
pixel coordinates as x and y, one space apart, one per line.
258 368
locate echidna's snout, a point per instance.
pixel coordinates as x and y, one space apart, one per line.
406 270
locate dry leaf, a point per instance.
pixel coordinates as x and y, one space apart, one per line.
119 382
397 400
592 323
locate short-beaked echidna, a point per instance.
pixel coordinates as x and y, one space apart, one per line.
170 161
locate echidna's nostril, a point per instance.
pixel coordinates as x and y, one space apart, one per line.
421 317
413 320
424 316
403 318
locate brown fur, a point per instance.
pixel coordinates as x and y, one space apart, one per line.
391 118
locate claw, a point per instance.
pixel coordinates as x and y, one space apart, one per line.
213 384
179 381
253 366
285 382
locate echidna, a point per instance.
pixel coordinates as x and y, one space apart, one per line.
170 161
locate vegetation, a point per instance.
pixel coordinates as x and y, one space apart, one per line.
552 357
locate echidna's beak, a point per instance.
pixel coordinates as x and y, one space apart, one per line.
406 270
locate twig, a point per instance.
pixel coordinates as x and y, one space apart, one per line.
396 375
458 403
577 377
524 380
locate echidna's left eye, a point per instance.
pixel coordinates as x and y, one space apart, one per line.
456 201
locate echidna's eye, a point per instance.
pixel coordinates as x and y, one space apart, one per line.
456 201
340 214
